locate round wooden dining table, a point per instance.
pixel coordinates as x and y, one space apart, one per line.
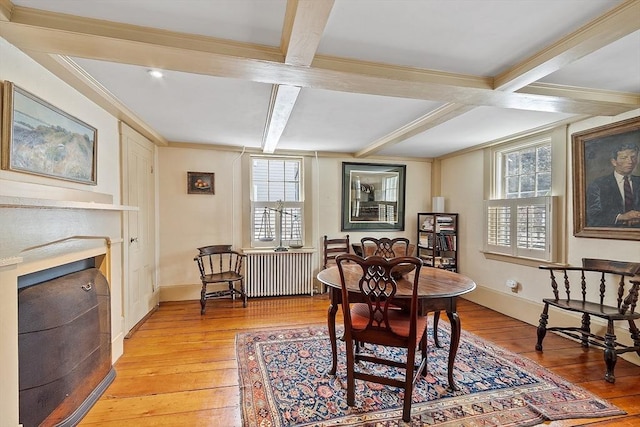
438 290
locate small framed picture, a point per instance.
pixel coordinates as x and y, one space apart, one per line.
200 183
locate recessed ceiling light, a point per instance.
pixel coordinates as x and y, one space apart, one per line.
155 74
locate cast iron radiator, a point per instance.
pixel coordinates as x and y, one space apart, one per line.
279 273
64 344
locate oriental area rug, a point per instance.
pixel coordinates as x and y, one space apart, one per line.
284 382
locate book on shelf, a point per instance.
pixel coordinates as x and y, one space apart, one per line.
438 261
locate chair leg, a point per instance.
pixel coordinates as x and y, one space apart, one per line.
610 355
423 351
351 382
436 320
232 291
203 299
635 335
243 293
408 385
542 327
586 330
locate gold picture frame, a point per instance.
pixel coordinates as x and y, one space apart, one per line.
41 139
598 201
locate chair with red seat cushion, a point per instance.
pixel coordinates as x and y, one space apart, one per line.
372 317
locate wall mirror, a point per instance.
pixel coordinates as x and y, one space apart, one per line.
373 196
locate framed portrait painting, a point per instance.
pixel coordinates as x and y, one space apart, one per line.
606 181
373 196
40 139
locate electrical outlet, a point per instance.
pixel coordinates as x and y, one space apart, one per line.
513 285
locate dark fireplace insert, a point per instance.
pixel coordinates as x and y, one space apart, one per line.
64 344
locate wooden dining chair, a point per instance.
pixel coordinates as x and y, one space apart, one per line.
389 248
220 264
333 248
379 321
385 247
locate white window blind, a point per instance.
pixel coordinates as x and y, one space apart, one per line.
520 227
276 191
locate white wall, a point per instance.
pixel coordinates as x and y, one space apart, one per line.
462 186
18 68
24 72
188 221
25 226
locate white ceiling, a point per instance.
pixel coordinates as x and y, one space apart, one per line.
413 78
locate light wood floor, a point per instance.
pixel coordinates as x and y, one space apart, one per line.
179 368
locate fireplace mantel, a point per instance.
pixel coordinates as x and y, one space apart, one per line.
27 202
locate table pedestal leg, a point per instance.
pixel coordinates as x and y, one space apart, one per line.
454 320
331 324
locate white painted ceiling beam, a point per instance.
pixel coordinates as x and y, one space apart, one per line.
617 23
304 24
611 26
406 83
201 56
295 65
6 8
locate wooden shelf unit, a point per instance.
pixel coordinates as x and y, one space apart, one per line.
438 239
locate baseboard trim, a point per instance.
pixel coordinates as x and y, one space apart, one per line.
529 311
180 292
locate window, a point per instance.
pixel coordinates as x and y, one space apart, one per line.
519 216
277 202
526 171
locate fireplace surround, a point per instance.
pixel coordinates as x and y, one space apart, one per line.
38 234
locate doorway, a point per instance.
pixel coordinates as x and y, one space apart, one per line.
139 227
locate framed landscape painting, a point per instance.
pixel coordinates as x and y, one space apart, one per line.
605 160
373 196
39 138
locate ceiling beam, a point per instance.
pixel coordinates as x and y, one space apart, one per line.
6 7
617 23
613 25
302 34
283 98
303 26
202 55
431 119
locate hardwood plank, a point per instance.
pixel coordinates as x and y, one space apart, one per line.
179 367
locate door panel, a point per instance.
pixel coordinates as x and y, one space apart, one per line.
139 190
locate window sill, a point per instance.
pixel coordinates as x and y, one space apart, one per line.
529 262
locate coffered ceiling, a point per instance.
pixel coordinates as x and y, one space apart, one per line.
385 78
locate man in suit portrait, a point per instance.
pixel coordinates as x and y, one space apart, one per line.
613 200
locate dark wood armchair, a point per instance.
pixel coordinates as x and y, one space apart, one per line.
587 290
220 264
379 321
